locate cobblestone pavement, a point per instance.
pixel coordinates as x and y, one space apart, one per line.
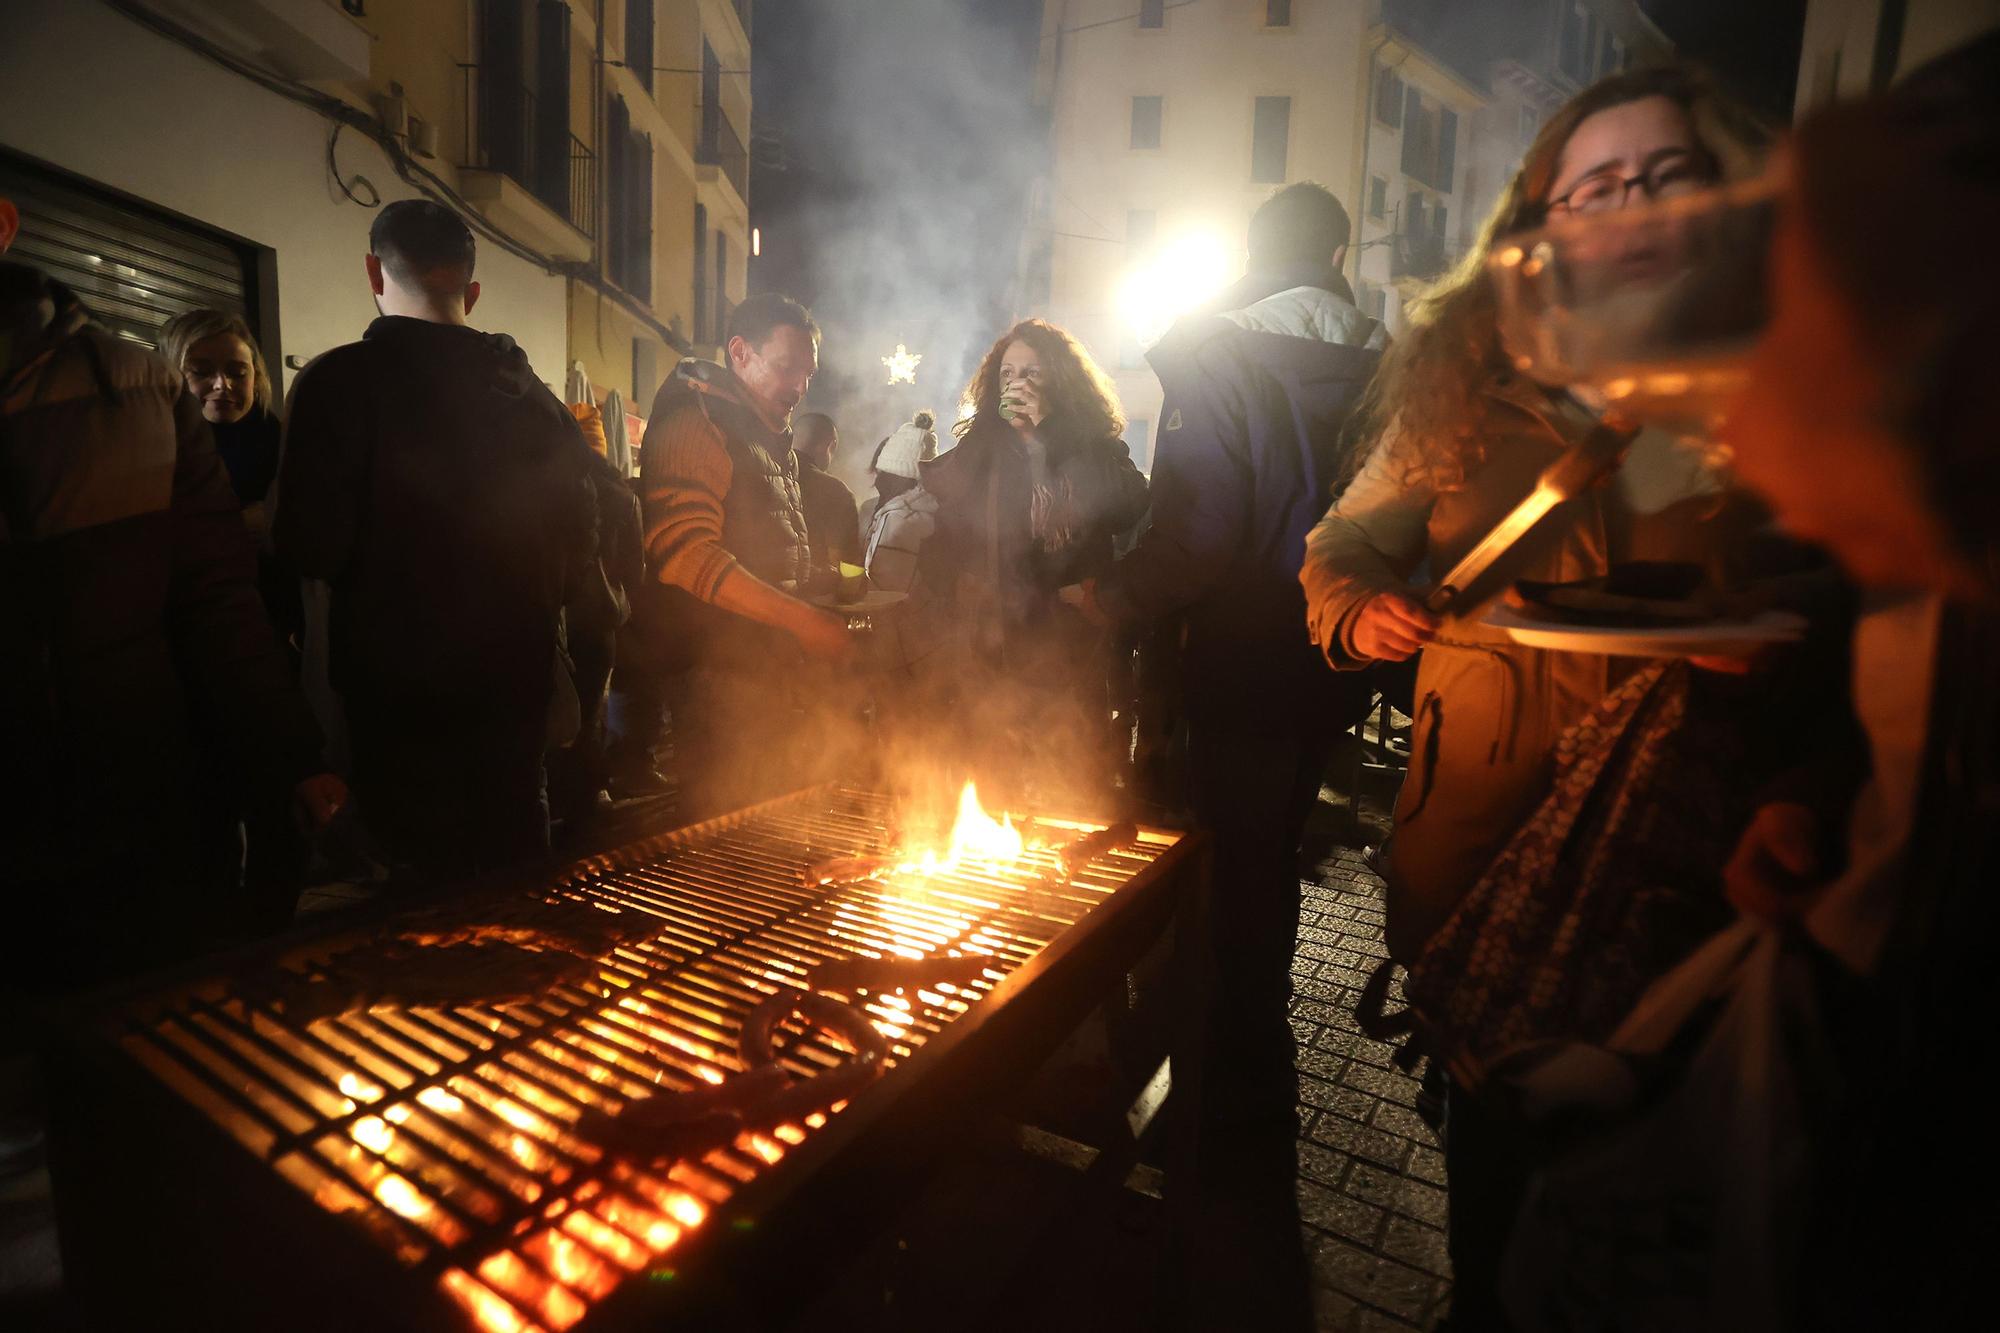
1371 1172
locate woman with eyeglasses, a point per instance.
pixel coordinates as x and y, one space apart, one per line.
1452 438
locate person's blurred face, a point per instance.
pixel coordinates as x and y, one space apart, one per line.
1021 379
777 372
1811 433
221 374
1625 157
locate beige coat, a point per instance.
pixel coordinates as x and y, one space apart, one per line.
1489 710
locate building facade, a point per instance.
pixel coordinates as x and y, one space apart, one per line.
1855 47
1169 126
174 153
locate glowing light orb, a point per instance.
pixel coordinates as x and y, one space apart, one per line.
1178 277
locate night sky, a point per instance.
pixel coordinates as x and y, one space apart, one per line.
895 142
1752 46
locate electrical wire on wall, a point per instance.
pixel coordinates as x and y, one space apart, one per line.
413 173
346 184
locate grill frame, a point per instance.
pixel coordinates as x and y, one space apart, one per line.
757 1256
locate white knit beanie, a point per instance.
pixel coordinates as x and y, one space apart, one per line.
912 443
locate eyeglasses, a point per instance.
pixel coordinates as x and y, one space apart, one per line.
1669 178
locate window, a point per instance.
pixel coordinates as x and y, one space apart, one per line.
1573 53
1378 197
639 41
1413 215
722 306
1389 99
1146 122
1430 142
1438 222
1269 140
702 334
1138 432
1141 225
523 113
1417 137
1152 13
1277 13
628 250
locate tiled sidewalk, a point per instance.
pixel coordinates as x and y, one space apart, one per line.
1371 1176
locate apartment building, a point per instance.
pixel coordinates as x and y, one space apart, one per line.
1168 126
175 153
1855 47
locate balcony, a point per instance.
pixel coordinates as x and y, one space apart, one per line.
721 147
515 154
1421 257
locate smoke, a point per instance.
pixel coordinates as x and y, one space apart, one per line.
909 139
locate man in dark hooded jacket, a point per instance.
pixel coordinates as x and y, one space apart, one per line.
443 493
1258 387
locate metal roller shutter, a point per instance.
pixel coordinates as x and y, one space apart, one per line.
135 266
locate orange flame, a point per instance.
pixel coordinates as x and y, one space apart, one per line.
975 836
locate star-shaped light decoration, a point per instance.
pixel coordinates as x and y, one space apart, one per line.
903 365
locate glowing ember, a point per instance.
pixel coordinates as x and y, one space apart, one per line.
486 1308
373 1133
686 1210
359 1089
437 1099
399 1196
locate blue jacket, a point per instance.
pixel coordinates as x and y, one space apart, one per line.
1257 394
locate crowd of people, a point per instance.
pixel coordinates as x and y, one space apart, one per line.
400 624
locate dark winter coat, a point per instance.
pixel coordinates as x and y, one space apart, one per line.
1247 452
249 450
986 544
131 635
443 492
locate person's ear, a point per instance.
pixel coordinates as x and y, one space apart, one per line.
737 352
1339 257
373 263
10 224
471 295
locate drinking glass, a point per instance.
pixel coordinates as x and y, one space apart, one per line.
1646 313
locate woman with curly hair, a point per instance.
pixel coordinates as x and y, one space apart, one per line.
1030 501
1452 439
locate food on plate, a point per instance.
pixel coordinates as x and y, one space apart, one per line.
1637 594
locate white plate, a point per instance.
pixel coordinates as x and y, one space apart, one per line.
1715 638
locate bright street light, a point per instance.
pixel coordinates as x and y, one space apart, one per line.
1176 278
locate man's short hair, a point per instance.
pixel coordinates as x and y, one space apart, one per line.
1300 224
808 424
760 315
424 246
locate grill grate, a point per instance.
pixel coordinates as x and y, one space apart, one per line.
455 1137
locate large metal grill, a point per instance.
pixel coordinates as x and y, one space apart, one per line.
460 1147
